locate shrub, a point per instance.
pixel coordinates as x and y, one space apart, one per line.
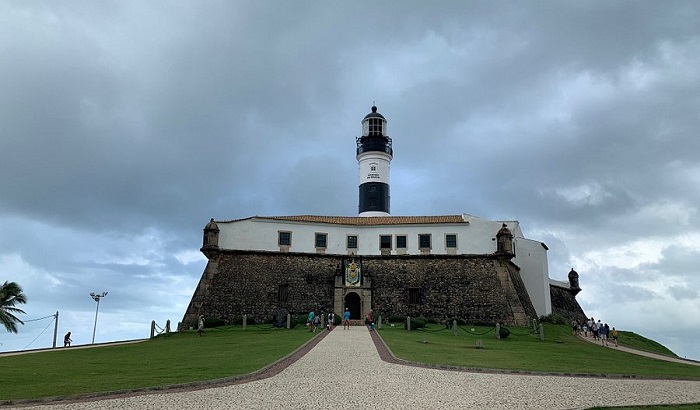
213 322
280 319
416 323
483 323
301 319
555 319
460 322
503 332
397 319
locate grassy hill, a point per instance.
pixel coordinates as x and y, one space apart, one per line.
560 352
169 359
635 341
179 358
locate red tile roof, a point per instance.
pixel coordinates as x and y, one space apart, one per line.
364 220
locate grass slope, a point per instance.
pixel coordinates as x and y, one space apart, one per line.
166 360
560 352
635 341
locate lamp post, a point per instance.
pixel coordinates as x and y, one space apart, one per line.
97 298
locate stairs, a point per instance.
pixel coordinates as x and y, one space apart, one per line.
355 322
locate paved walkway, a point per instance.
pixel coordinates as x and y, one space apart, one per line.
344 371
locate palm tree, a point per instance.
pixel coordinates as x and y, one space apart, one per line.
11 293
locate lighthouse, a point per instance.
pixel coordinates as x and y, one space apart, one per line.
374 154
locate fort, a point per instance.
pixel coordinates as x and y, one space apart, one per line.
440 267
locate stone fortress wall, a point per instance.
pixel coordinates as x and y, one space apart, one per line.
476 288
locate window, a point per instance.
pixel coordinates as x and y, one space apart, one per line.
400 241
283 293
373 168
284 238
424 241
451 240
352 242
414 296
385 242
375 125
321 240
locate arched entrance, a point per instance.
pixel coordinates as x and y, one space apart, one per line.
352 302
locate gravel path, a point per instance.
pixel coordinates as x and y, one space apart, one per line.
344 370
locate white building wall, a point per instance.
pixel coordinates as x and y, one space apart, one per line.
476 237
531 257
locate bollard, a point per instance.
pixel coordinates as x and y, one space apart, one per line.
153 328
408 323
498 330
454 327
289 321
323 321
541 332
534 325
379 322
245 319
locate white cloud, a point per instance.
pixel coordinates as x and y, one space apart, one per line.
589 193
187 257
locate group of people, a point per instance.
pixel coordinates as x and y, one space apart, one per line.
313 320
598 330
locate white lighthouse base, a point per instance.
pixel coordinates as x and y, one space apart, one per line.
374 213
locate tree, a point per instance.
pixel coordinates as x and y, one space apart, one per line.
10 294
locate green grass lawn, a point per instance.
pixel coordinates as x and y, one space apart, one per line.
168 359
560 352
635 341
179 358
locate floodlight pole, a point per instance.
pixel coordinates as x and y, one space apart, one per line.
55 329
96 297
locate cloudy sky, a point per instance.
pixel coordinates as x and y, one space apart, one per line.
126 125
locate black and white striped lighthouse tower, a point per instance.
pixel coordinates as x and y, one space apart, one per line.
374 155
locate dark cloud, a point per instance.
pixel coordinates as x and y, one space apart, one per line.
126 126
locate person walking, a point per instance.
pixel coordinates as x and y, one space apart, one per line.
200 325
67 340
603 334
615 333
346 319
310 320
317 322
331 319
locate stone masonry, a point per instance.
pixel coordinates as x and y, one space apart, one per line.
475 288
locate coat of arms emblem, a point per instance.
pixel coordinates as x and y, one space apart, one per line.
352 273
